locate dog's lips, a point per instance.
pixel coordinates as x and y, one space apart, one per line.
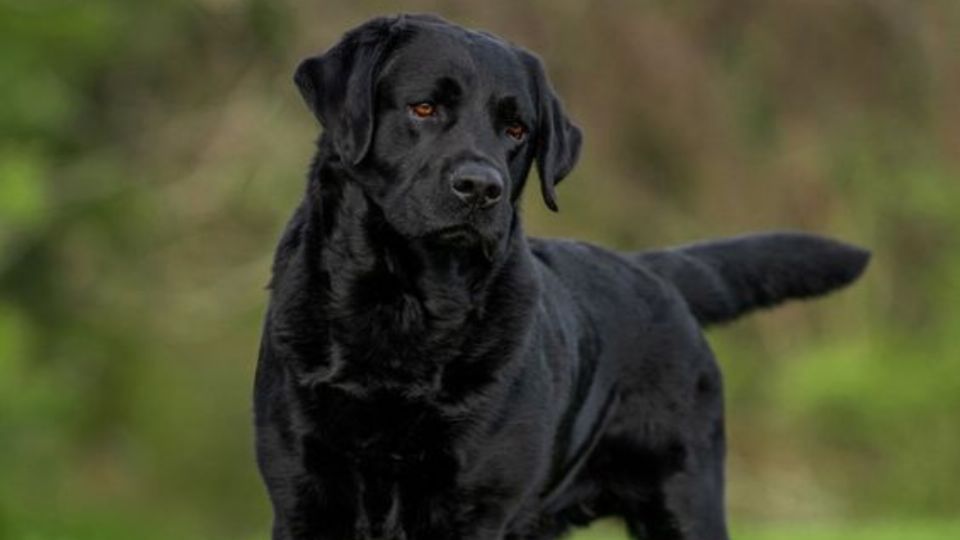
462 238
457 234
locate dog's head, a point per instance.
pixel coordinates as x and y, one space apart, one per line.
440 125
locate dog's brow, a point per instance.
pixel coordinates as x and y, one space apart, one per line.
508 104
507 107
448 88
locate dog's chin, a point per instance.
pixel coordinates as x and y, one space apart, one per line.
464 239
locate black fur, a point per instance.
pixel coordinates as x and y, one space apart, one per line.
721 280
428 372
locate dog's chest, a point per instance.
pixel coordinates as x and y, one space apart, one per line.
389 460
399 500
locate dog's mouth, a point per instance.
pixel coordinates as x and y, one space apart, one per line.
463 238
457 235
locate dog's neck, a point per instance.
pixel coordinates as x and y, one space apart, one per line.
396 311
372 267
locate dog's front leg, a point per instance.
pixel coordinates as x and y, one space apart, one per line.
306 518
310 506
486 522
492 528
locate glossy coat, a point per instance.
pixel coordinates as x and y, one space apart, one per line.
428 372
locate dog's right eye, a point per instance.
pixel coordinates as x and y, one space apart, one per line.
424 109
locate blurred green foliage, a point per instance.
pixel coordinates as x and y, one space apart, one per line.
151 151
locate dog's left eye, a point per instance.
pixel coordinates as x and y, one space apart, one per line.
517 131
424 109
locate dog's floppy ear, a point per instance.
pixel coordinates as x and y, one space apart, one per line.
557 139
338 86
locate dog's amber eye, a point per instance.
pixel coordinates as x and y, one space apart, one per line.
423 109
517 130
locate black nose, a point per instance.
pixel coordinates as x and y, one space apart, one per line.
477 185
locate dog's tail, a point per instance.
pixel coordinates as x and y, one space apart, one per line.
724 279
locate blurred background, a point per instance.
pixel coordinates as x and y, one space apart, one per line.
150 153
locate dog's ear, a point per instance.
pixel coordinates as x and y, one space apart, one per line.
339 86
557 139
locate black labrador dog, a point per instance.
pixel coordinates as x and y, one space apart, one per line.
429 372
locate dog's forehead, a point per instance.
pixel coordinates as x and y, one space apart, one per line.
474 57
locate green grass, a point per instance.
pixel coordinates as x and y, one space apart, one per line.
890 530
113 528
